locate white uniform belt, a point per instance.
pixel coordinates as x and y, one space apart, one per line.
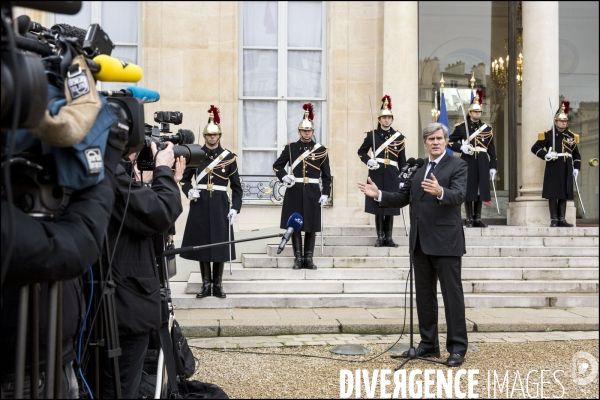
387 161
300 179
564 155
212 187
479 149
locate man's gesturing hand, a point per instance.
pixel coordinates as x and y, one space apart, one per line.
432 186
370 189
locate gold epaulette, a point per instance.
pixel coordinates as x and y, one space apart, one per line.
460 123
575 136
541 135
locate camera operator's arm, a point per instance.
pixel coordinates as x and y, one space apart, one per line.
150 210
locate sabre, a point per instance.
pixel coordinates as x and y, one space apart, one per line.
404 220
579 196
496 197
553 131
465 118
321 230
373 125
229 234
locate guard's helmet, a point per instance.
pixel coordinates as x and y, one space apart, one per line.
214 122
307 123
386 107
477 101
563 112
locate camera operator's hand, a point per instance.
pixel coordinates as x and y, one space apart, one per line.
164 157
179 168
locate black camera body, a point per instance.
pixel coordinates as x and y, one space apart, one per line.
183 141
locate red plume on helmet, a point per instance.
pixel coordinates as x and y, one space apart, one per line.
309 107
567 105
389 100
480 95
215 112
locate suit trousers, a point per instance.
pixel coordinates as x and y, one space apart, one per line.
427 270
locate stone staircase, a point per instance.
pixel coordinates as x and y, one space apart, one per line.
505 266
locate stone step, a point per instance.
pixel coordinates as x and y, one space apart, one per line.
476 300
471 241
264 261
472 251
394 286
493 231
253 274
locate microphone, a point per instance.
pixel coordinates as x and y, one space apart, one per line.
409 163
146 95
59 7
112 69
408 176
183 136
294 223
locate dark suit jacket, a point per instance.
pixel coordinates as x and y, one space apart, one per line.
438 224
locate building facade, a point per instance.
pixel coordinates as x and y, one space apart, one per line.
260 61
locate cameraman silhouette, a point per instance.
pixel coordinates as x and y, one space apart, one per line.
142 210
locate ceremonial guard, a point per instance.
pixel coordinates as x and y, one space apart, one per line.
561 168
309 161
475 141
387 146
211 216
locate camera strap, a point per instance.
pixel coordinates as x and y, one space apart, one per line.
211 166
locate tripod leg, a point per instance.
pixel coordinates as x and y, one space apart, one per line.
21 342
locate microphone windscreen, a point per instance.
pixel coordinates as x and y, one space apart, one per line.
114 70
295 221
410 161
187 136
420 162
146 95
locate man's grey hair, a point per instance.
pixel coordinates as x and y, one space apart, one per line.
434 127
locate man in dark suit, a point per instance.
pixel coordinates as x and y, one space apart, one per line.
437 242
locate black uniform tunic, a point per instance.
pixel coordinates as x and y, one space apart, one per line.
386 176
480 163
558 176
303 198
207 221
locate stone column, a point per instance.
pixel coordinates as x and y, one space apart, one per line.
540 83
401 68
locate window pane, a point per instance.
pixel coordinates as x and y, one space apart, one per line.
258 162
260 23
260 73
295 113
259 124
304 24
80 20
120 20
304 74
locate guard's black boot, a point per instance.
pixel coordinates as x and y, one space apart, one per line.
297 247
309 248
562 210
477 222
469 213
218 280
379 224
553 206
388 229
206 281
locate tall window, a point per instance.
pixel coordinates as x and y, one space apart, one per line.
282 67
120 20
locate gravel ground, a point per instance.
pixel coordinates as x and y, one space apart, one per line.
284 376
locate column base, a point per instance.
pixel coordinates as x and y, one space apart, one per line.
535 213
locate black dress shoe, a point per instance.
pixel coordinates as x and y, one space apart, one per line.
455 360
420 353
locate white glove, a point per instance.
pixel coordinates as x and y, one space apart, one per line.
492 173
371 164
231 216
288 179
466 149
193 194
575 173
323 200
550 156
